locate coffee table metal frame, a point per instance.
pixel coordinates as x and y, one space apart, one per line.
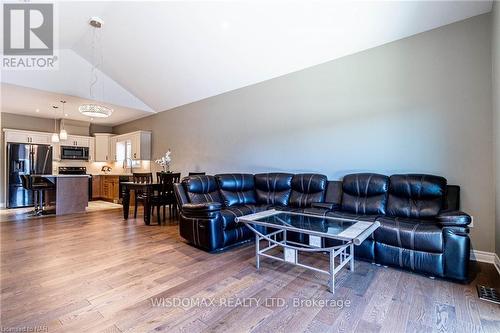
291 249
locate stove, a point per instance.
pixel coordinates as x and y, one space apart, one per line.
72 170
77 171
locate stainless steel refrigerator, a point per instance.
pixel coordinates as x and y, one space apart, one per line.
24 159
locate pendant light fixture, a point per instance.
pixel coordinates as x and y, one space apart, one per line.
63 135
55 136
94 109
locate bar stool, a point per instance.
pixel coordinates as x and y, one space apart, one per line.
38 185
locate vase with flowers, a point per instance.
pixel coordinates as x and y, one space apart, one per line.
165 161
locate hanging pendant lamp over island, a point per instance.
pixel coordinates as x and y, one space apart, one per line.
63 135
94 109
55 136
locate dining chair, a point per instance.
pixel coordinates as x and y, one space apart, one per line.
139 196
165 196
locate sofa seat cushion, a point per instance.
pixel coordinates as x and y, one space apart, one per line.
273 188
364 251
352 216
417 261
256 208
230 213
235 235
288 209
306 189
411 234
315 211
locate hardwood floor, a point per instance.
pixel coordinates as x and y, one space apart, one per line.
97 273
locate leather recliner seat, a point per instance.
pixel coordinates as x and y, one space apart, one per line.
421 229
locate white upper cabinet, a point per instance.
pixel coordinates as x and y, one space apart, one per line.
19 136
112 148
141 145
135 145
103 147
77 141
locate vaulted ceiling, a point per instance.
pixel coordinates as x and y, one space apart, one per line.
159 55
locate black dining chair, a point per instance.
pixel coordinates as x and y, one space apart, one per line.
139 196
165 196
196 174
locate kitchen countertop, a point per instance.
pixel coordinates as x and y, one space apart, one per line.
113 174
61 176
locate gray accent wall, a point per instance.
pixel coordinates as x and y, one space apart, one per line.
496 110
422 104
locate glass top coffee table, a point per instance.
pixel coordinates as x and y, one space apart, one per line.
348 232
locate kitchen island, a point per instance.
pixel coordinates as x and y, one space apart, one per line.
69 193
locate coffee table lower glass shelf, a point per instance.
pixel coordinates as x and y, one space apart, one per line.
277 223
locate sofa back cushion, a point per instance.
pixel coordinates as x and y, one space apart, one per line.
237 189
273 188
306 189
365 193
415 195
201 189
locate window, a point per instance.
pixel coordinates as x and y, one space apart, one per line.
124 154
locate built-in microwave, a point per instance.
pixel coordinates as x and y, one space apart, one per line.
74 153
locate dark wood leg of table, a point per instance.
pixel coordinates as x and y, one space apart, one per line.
125 201
147 206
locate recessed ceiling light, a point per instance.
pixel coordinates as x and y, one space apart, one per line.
91 118
65 114
225 25
37 110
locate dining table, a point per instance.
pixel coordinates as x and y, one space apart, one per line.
148 189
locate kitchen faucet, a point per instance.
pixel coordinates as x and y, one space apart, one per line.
131 164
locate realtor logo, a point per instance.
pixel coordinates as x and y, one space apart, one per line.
28 29
30 36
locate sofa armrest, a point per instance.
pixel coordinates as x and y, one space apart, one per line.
201 225
201 210
325 205
456 253
454 218
457 230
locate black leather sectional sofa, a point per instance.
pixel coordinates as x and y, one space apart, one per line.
421 228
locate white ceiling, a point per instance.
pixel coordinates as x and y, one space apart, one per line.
73 78
159 55
38 103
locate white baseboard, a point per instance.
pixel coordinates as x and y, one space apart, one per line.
487 257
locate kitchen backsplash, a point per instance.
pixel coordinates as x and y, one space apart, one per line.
94 168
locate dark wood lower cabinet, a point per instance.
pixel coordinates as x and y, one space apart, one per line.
106 188
96 187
